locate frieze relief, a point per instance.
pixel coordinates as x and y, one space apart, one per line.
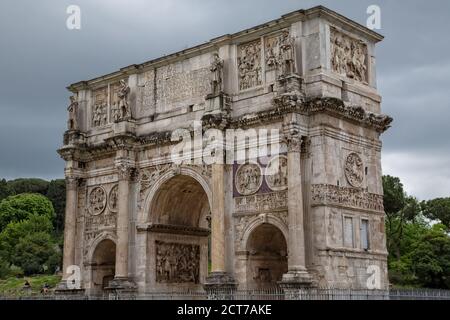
354 170
100 107
97 201
177 263
322 194
113 200
261 202
276 173
248 178
176 88
348 56
249 65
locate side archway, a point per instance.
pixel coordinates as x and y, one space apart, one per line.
102 264
266 247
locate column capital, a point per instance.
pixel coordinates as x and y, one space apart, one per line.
125 169
72 182
294 142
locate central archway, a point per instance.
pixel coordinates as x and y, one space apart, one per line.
180 201
178 238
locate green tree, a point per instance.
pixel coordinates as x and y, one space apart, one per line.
28 244
57 195
430 258
400 209
20 207
437 209
32 185
5 190
36 253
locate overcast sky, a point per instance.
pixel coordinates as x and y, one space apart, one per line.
39 57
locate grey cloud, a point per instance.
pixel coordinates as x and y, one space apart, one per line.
39 57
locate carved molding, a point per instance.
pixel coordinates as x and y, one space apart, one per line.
323 194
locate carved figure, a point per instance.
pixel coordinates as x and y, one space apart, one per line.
216 74
72 123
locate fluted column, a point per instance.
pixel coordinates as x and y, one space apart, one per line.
297 272
219 279
218 219
70 224
123 220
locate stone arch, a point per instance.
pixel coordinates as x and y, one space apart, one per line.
96 242
259 220
173 172
175 211
265 244
102 260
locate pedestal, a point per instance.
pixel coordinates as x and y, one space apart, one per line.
220 286
122 289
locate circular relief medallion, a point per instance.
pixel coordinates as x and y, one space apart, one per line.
276 173
354 171
113 198
97 201
248 179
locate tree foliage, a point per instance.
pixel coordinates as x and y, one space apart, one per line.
438 209
419 252
56 193
22 206
28 185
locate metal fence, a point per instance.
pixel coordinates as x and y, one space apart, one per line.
268 294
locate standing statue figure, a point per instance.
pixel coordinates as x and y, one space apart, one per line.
72 123
216 74
287 60
124 107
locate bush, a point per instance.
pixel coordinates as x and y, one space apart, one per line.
22 206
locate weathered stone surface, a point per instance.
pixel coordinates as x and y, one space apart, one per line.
135 220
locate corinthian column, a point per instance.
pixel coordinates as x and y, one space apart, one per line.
121 280
218 279
69 229
297 273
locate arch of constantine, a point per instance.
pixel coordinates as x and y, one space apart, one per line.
305 210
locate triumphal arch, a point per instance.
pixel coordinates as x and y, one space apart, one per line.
249 161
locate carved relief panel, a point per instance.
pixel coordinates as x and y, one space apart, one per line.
101 211
249 65
348 56
177 263
276 173
176 87
248 178
100 107
354 170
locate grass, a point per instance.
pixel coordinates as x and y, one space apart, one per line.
13 286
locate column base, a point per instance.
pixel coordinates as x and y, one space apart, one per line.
121 284
297 279
220 286
293 282
64 288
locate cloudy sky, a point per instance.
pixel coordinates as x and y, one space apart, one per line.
39 57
